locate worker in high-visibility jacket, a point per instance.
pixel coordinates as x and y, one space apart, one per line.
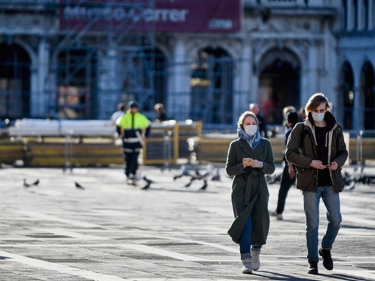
134 127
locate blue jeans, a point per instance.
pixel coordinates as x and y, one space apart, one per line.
245 239
331 200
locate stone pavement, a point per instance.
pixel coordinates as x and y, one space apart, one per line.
112 231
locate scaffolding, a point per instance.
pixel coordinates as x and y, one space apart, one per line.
97 54
101 54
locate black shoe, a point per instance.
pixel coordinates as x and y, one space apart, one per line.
313 269
327 260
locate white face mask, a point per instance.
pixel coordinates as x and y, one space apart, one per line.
251 129
318 117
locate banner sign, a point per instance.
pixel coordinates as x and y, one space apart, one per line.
157 15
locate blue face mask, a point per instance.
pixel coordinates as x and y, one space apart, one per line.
250 129
318 117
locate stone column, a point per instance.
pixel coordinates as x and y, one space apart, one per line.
350 16
109 83
358 109
330 70
312 71
242 92
370 15
39 78
360 16
179 83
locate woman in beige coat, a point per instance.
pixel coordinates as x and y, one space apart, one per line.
249 158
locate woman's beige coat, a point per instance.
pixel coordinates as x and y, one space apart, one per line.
249 188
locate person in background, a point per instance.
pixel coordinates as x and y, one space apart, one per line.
253 107
249 158
302 113
286 111
318 150
289 175
134 127
161 114
121 108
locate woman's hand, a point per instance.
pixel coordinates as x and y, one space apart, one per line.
246 162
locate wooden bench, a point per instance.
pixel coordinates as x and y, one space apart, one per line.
11 151
76 154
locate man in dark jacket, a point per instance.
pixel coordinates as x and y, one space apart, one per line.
288 177
318 150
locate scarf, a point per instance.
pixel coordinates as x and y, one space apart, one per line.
253 141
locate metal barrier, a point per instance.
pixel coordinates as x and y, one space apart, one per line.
167 142
68 153
360 151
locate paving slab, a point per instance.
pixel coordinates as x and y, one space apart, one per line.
113 231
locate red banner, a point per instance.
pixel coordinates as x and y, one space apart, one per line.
158 15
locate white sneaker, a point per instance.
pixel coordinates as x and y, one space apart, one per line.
275 214
255 260
247 268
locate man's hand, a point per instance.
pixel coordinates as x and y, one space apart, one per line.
334 166
291 171
317 164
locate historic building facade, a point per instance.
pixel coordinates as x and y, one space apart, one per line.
74 59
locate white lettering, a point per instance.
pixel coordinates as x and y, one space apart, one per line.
118 14
149 15
73 13
178 15
161 15
220 24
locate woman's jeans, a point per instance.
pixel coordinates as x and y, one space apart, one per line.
331 200
245 239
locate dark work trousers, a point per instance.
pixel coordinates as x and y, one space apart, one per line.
131 163
285 184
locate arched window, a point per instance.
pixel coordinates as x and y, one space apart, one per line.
279 84
76 84
212 86
14 82
368 94
346 95
145 78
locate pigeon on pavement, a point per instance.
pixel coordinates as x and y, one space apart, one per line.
78 186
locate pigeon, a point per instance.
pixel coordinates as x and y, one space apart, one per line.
274 178
189 183
216 176
147 180
350 187
197 173
184 172
147 186
204 186
25 184
201 177
78 186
